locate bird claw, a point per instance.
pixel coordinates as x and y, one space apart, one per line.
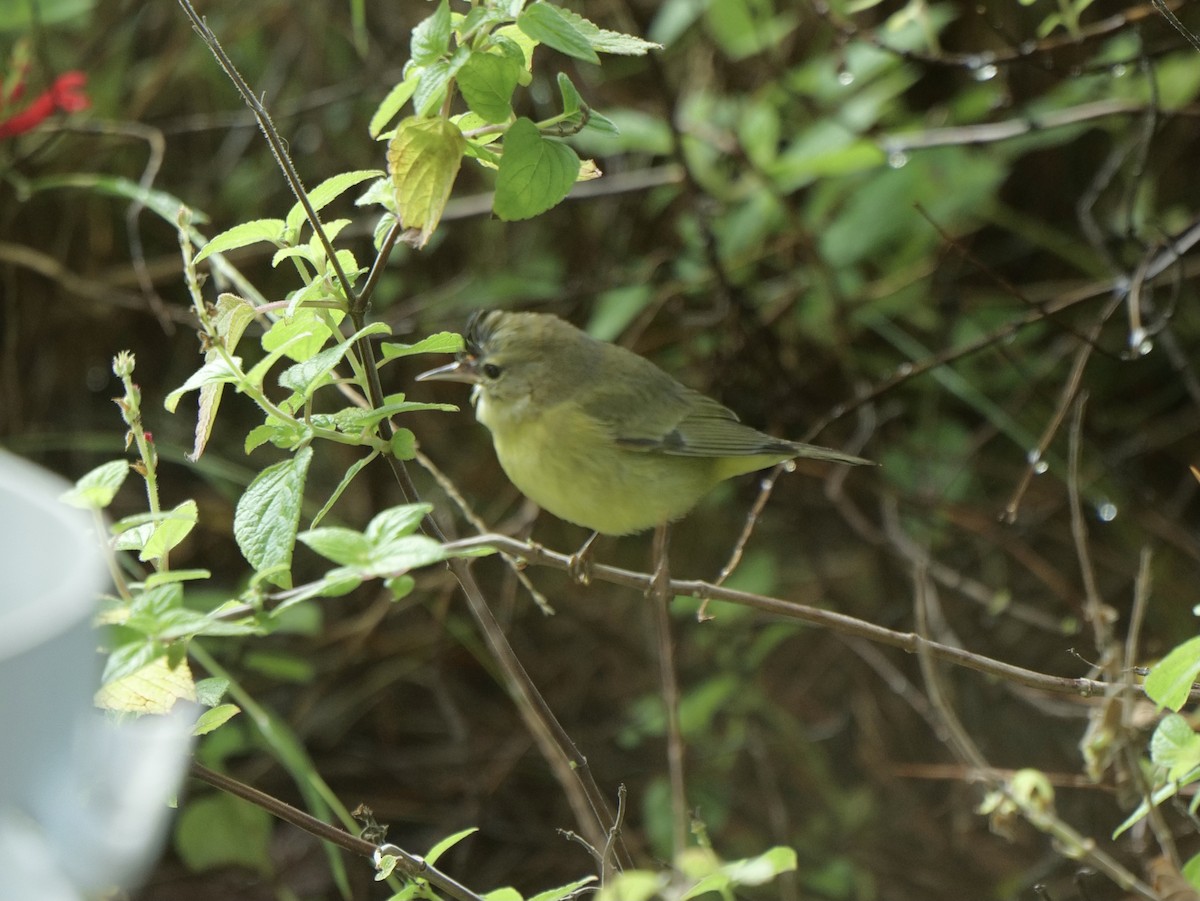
579 566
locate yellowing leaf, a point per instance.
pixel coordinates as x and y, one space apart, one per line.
152 689
423 161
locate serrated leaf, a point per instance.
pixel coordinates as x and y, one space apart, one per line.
347 547
431 37
396 522
96 489
287 434
133 539
233 315
549 25
170 531
606 41
403 554
431 88
253 232
324 194
307 376
535 173
1170 680
215 718
423 160
264 524
297 337
487 82
438 343
215 370
392 103
154 688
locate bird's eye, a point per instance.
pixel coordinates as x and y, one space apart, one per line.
491 370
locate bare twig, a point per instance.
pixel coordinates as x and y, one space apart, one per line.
841 623
1069 392
660 596
1095 611
413 866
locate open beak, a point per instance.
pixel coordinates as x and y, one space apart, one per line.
459 371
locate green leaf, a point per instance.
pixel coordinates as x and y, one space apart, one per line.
431 37
431 88
172 530
154 688
604 40
487 82
1175 746
446 844
1191 872
396 522
347 547
536 173
392 103
439 343
762 868
215 370
404 444
571 100
175 575
96 489
166 206
324 194
570 890
233 315
423 161
551 26
355 469
1170 681
264 524
219 830
298 337
401 586
244 235
210 691
215 718
306 377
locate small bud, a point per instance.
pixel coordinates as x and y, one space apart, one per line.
123 364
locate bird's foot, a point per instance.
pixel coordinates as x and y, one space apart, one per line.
579 567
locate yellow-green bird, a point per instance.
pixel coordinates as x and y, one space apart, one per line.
598 435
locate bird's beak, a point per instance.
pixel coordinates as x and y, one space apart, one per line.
459 371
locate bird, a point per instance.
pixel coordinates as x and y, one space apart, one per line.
598 435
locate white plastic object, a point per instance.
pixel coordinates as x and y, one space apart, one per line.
83 800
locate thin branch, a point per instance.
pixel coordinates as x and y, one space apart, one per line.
660 597
841 623
273 140
413 866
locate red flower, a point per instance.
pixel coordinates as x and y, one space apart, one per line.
65 94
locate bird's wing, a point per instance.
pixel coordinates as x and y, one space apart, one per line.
668 418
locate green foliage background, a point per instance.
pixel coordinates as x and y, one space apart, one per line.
805 204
